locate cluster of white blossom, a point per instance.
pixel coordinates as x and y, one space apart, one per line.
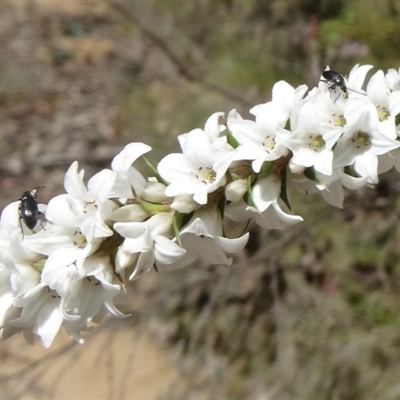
68 269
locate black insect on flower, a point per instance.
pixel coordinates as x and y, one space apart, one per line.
29 210
336 80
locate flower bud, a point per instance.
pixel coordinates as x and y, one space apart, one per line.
129 213
161 224
184 203
155 192
235 190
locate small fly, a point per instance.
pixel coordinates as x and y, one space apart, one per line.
29 209
336 80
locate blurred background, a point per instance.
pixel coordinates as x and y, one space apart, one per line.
309 313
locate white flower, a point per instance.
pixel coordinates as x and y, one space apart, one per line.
86 285
201 167
353 84
84 209
8 311
41 314
387 103
129 213
184 203
356 77
203 238
312 141
361 145
393 79
270 212
330 113
330 186
12 244
278 216
154 192
150 241
68 262
262 140
129 181
284 100
267 209
235 190
93 294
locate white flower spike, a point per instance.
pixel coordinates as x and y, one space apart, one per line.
69 271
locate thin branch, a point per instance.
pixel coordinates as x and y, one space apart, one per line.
183 69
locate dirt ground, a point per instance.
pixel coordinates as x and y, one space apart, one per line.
113 364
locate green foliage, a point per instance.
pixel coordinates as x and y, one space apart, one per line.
370 23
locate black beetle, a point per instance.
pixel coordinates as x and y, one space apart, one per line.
29 209
336 80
